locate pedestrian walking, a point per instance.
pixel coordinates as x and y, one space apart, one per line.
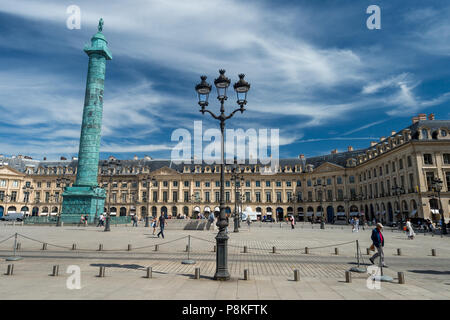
410 230
357 224
162 223
135 222
249 221
86 219
292 222
100 220
154 225
378 244
81 221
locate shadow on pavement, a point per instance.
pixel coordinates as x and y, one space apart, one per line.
116 265
430 272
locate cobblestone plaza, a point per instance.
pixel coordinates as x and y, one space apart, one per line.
322 272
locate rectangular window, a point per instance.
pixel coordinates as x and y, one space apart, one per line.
267 183
217 183
144 196
2 183
309 183
258 196
289 196
400 164
186 183
409 161
49 184
329 181
351 179
374 172
155 196
175 196
207 184
247 183
114 197
299 196
387 169
165 183
47 196
207 199
340 195
446 157
175 183
278 184
299 183
447 179
56 197
278 196
124 197
197 184
217 196
124 185
309 195
39 184
13 196
165 196
427 158
227 184
227 196
411 182
339 180
258 183
381 171
186 196
268 197
330 195
288 184
2 196
393 166
430 177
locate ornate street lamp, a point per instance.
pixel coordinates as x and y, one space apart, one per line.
203 89
237 180
437 187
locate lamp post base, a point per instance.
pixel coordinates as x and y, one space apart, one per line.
146 222
16 258
222 273
236 225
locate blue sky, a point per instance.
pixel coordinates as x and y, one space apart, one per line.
317 73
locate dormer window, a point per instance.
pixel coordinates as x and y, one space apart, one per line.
424 134
443 133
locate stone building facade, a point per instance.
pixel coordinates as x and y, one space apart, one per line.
389 180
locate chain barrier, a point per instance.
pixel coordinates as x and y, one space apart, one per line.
237 246
94 250
7 238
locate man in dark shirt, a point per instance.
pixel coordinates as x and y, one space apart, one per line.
162 223
378 243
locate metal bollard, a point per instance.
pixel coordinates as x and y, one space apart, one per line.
336 251
101 272
399 252
245 249
306 250
187 248
348 276
55 271
246 274
18 246
274 250
129 247
368 251
44 246
149 272
197 273
401 278
10 270
296 275
433 252
100 247
156 247
74 246
214 248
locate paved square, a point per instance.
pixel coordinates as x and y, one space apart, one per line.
322 272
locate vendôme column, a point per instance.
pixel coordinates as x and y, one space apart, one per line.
85 197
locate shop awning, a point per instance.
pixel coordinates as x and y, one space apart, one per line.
207 209
216 209
340 213
54 213
309 213
197 209
354 214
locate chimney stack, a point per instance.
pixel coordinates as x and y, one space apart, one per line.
63 158
422 116
393 132
302 156
431 116
349 148
135 157
415 119
334 151
382 138
372 143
